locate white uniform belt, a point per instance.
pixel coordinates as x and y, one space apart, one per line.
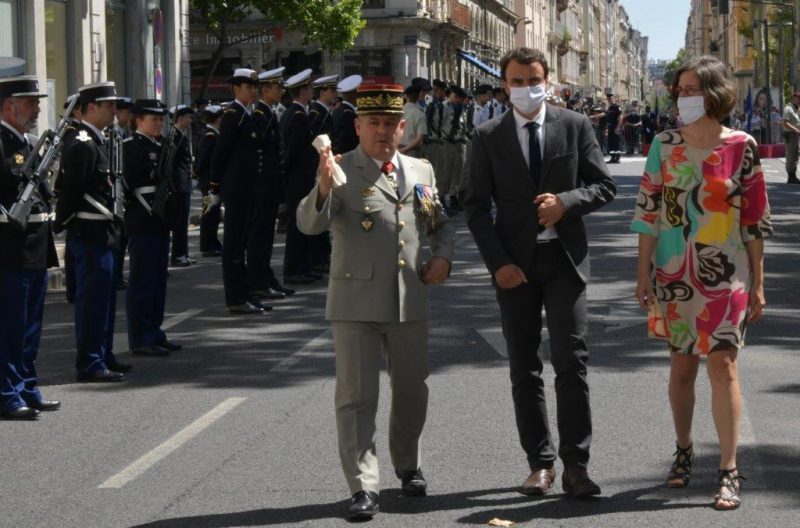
139 192
32 218
104 212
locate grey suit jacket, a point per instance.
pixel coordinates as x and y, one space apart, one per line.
378 241
573 168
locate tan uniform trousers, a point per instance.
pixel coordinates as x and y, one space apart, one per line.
454 157
359 347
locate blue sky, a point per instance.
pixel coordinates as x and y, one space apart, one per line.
664 21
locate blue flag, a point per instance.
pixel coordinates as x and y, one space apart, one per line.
748 108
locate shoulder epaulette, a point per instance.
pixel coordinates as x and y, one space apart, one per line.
128 139
423 160
259 111
228 110
299 112
210 134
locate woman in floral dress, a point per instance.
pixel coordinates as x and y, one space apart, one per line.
701 215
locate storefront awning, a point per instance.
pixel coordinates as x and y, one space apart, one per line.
479 64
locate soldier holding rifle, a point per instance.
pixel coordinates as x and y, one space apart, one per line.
147 174
86 209
26 255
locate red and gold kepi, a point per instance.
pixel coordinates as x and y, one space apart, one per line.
379 99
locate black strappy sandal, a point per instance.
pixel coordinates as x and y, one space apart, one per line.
730 482
681 471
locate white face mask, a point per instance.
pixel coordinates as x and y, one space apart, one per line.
691 108
528 99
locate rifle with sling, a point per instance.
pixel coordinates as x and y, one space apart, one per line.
166 162
36 170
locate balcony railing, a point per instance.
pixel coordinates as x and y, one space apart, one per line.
453 12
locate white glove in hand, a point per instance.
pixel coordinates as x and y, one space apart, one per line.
213 199
319 143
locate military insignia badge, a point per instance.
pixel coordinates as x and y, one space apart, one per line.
426 204
367 223
83 136
153 156
18 159
367 191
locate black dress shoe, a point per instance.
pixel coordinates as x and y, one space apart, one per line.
100 376
150 350
122 284
315 275
119 367
267 293
577 483
20 413
413 483
258 304
277 287
321 268
297 279
181 262
245 309
363 506
172 347
215 253
45 405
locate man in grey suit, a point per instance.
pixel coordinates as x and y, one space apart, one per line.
378 289
544 170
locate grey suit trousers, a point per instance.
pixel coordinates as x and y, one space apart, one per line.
359 346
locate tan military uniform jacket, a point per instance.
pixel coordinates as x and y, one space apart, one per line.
378 241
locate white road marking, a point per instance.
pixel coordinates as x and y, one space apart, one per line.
152 458
121 338
320 346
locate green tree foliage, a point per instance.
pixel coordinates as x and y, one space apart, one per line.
673 66
333 25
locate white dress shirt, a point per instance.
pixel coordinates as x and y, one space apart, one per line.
523 135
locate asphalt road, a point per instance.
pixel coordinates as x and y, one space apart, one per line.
238 428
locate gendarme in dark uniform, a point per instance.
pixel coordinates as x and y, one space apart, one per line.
181 189
344 137
85 208
268 191
210 246
70 132
148 232
236 169
24 259
300 168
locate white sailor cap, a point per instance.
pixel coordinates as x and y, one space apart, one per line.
271 76
298 79
329 81
180 110
243 75
23 86
213 110
349 84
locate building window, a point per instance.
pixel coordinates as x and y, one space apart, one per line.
116 56
57 60
373 64
8 28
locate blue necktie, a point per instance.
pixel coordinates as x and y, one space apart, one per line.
534 153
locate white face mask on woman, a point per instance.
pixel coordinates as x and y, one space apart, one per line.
691 108
528 99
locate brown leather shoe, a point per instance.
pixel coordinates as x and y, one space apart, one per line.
577 483
539 482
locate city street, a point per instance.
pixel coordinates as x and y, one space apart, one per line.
238 428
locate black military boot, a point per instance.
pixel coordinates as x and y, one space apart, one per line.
793 178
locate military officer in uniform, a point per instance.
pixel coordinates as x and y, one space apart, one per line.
344 128
148 232
377 294
321 122
434 148
24 258
454 152
182 116
300 168
210 246
268 191
70 132
85 207
125 117
237 166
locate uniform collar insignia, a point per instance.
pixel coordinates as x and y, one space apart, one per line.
18 159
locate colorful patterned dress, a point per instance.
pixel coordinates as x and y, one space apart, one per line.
702 205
